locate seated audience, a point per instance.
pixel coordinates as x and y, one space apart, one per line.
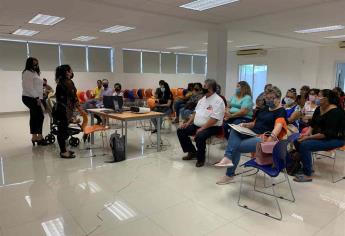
309 108
106 90
240 107
98 89
259 104
163 104
269 119
205 122
192 102
293 110
262 95
326 132
118 90
341 96
181 102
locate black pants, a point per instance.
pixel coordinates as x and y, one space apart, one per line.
200 139
36 114
62 134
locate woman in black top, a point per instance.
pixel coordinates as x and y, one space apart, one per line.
164 103
326 132
66 103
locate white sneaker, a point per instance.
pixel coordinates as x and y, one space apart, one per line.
225 180
225 162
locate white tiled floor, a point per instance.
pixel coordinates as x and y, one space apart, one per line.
153 194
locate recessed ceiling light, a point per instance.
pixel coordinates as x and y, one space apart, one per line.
84 38
117 29
177 47
320 29
201 5
41 19
250 46
335 37
25 32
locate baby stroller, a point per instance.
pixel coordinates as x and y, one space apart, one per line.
73 128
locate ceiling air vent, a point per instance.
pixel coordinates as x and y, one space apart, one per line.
253 52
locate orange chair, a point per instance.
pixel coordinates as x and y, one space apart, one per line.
88 130
180 92
135 93
174 92
148 93
90 94
81 96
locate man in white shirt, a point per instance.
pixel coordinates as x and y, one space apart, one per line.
205 122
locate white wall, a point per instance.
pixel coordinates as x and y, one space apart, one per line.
11 87
291 67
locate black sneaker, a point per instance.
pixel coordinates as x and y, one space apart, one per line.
200 164
190 156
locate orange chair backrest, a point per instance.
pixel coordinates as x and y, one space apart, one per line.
85 121
174 92
148 93
151 103
180 92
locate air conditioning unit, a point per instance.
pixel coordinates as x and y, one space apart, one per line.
342 44
251 52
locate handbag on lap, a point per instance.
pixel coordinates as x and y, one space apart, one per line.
264 150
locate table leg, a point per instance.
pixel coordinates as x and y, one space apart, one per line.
92 123
158 133
125 138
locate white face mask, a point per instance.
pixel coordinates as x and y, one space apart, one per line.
288 101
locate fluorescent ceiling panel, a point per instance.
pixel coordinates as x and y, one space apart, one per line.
335 37
41 19
201 5
320 29
25 32
250 46
84 38
117 29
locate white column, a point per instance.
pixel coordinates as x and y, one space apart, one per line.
217 56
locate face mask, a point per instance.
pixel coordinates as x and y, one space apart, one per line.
317 101
105 86
271 104
312 98
288 101
238 91
162 89
117 89
205 90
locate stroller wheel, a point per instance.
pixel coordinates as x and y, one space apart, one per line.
74 142
50 138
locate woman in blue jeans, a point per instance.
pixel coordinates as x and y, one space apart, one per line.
326 132
269 119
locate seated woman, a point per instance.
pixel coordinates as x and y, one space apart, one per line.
117 90
164 104
293 110
269 119
181 101
309 108
241 107
192 102
326 132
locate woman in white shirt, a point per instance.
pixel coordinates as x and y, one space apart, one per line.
118 90
32 97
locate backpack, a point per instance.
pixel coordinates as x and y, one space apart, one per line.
117 145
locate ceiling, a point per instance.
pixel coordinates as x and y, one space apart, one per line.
161 24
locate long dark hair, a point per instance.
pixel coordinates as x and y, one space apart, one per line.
331 96
167 93
60 73
29 65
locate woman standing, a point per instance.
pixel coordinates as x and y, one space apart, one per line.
32 98
66 103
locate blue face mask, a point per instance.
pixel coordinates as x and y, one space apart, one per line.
270 104
317 101
238 91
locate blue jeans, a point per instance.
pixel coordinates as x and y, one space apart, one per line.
177 107
166 112
306 148
237 144
185 113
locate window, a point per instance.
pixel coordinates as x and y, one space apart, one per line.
150 62
99 59
199 64
184 64
168 63
255 76
47 55
340 79
13 55
131 61
74 56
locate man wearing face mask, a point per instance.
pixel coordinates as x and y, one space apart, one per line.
293 110
117 90
205 122
106 90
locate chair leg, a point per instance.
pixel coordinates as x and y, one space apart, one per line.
260 212
334 180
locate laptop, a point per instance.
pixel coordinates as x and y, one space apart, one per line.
115 103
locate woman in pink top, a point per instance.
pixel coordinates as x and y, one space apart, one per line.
309 108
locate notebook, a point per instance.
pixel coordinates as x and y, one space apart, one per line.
243 130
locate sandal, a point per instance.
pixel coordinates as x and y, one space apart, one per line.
301 179
222 163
